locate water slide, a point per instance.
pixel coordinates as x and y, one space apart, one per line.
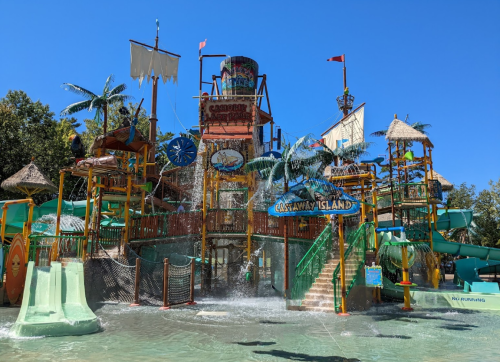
54 303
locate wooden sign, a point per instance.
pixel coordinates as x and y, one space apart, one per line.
227 160
15 269
228 111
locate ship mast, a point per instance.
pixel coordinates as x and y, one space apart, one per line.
152 117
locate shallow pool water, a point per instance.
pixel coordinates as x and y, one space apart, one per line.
261 329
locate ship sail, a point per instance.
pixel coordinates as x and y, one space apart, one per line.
347 132
143 62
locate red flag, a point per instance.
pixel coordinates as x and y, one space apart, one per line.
340 58
203 43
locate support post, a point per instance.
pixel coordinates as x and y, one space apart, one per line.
127 210
375 212
250 217
342 267
363 206
137 282
87 214
285 242
191 287
406 279
59 203
28 227
165 285
204 227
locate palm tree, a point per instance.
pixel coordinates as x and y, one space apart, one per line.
93 101
296 162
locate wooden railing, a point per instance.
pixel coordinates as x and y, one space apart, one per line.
227 221
300 227
162 225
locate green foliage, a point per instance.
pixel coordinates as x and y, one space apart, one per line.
28 129
297 161
94 102
486 206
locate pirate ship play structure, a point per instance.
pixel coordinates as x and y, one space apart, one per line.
322 242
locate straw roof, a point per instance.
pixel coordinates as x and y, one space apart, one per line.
400 131
445 184
29 180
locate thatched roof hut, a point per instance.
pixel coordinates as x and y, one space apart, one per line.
445 184
400 131
29 180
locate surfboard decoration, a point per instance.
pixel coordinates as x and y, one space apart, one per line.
15 269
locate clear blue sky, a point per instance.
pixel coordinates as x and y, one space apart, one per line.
437 61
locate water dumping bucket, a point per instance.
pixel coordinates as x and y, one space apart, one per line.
239 76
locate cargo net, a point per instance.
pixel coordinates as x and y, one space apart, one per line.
113 279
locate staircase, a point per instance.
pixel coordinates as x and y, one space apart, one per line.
320 297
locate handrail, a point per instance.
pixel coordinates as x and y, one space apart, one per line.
308 269
327 229
358 241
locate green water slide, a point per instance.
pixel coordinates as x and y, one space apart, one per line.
54 303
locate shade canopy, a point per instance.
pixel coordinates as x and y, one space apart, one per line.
400 131
445 184
29 180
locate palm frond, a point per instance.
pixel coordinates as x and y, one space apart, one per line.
97 103
76 107
118 89
85 93
118 98
297 145
353 151
260 163
381 133
110 80
276 173
420 126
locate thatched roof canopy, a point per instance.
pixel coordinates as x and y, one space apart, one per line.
445 184
29 180
400 131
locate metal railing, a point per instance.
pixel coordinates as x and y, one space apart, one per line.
435 190
354 260
42 248
312 263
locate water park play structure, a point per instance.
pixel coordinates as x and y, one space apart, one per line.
220 219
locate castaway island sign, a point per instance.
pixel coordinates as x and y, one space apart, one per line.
314 197
228 111
227 160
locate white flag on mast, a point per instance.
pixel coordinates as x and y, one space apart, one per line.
349 131
143 62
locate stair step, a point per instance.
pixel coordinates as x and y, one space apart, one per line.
320 296
318 303
320 309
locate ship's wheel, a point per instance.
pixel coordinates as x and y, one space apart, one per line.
181 151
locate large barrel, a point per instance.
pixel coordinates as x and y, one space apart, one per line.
239 76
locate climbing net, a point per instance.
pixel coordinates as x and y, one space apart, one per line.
113 279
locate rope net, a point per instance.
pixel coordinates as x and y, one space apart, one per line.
112 279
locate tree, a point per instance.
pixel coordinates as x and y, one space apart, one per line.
28 130
462 197
488 233
93 101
